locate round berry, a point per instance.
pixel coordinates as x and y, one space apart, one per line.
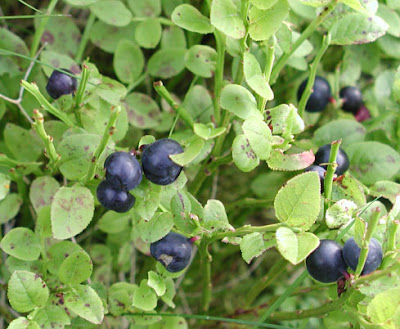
113 198
321 173
173 251
351 253
61 84
319 97
123 171
326 263
362 114
157 165
351 99
342 160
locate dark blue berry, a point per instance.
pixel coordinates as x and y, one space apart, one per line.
113 198
61 84
322 156
173 251
321 173
326 263
157 165
320 95
351 253
351 99
123 171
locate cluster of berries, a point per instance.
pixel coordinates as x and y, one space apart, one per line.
322 156
123 173
329 262
351 98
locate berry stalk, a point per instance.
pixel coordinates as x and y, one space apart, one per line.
330 170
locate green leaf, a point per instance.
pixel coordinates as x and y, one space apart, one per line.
314 3
24 144
215 217
26 290
264 4
120 297
173 37
295 247
254 244
58 60
192 150
85 302
387 189
264 23
147 199
144 297
357 5
259 136
340 213
181 207
42 191
81 3
23 323
76 153
157 283
207 131
290 162
189 18
225 17
107 37
156 228
71 211
285 117
58 252
9 207
349 131
145 8
373 161
348 188
243 155
76 268
61 35
198 103
51 316
166 63
254 77
201 60
298 202
239 101
148 33
170 292
143 112
112 222
21 243
112 12
391 18
396 85
12 42
128 61
111 91
357 29
384 306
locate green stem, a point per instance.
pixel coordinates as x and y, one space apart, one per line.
310 83
32 16
108 132
41 28
330 171
164 93
206 274
247 230
50 150
312 313
393 226
247 203
305 35
81 92
33 89
134 84
283 297
219 74
274 272
377 274
268 69
373 222
85 37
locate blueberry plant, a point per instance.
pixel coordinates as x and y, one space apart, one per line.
199 164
